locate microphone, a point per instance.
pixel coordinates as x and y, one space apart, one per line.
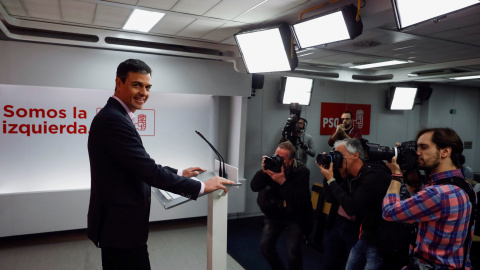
221 170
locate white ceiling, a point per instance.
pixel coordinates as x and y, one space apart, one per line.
205 29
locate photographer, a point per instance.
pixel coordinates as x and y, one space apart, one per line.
345 130
356 189
284 197
302 141
442 210
294 131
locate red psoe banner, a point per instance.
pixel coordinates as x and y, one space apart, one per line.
331 113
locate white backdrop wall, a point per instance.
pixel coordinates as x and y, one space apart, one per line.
266 118
191 94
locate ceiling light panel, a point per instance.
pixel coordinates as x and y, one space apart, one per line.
142 20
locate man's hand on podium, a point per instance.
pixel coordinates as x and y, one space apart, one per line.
217 182
192 171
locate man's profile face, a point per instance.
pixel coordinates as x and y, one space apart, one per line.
135 91
283 153
428 154
346 120
301 123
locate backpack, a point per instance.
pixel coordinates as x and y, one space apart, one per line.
461 183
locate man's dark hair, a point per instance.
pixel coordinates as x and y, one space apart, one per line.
349 112
288 146
132 65
447 137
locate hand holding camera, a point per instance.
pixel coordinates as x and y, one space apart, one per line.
273 166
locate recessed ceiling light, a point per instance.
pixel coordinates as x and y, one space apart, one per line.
142 20
466 77
381 64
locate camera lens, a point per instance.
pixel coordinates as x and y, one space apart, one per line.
334 156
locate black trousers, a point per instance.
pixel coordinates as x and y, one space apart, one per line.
125 258
271 231
338 242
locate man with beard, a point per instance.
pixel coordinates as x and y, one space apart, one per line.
443 211
345 130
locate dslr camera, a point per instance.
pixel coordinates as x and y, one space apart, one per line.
406 154
291 129
333 156
274 163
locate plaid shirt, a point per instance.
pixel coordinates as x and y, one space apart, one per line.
443 213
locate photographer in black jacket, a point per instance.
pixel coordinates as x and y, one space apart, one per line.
355 192
284 197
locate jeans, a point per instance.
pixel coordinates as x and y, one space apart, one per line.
337 243
271 231
364 256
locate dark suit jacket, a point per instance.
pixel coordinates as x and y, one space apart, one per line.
121 175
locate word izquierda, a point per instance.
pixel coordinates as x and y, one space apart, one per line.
45 128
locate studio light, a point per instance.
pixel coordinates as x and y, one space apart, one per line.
296 90
401 98
267 49
412 12
336 25
142 20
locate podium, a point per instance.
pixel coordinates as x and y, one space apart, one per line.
217 216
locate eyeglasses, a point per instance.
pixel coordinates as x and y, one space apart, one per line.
345 119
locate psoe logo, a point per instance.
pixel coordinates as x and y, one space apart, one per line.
144 121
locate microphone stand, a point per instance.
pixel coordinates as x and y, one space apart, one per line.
221 170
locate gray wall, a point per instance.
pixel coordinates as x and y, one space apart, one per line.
59 66
34 64
266 118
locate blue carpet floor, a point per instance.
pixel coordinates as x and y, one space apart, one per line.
244 245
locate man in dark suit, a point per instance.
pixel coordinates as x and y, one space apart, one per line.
122 173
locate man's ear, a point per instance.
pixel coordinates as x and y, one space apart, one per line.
118 82
446 152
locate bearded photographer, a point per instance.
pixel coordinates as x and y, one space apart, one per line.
442 209
284 197
355 188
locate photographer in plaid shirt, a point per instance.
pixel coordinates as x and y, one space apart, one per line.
442 211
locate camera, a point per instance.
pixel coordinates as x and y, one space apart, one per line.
274 163
291 129
406 154
333 156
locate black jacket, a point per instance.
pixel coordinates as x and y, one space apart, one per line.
121 175
295 191
361 196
